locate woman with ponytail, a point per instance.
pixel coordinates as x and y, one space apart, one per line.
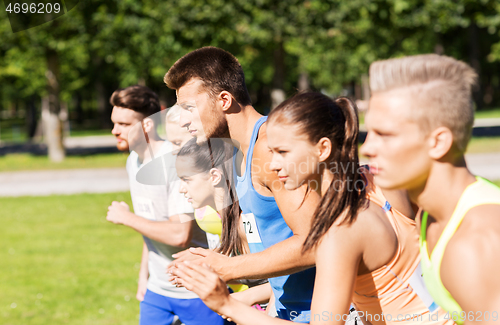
205 171
366 250
205 181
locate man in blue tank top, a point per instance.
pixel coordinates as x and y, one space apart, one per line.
210 86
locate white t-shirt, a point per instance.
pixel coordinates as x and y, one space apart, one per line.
159 202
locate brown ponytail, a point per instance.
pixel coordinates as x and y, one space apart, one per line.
230 241
319 116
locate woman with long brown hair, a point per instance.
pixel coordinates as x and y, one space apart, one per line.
366 250
205 171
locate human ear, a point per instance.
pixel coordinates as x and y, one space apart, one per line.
148 124
324 147
215 176
440 142
226 100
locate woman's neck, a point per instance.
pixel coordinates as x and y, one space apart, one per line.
219 200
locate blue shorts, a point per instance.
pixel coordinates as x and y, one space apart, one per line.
160 310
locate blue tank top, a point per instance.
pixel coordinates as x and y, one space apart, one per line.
264 227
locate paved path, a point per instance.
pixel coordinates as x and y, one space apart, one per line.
90 141
74 181
479 123
486 165
74 145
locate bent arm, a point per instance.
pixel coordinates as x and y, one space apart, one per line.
144 270
143 273
281 259
337 264
171 232
245 315
256 295
297 208
337 261
213 291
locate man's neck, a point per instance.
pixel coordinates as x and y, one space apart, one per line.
440 194
241 126
152 149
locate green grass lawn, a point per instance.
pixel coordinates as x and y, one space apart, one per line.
484 144
489 113
18 162
63 263
13 130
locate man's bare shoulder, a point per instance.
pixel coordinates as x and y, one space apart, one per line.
262 157
480 221
368 224
470 265
261 149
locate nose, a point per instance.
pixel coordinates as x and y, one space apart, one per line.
275 165
115 130
182 187
367 149
184 120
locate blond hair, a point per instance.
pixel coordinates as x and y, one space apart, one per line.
442 91
173 114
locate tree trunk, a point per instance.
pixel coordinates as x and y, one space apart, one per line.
101 103
365 85
79 109
277 92
303 82
53 130
31 117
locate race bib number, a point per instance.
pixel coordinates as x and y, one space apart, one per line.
144 207
418 285
251 230
213 240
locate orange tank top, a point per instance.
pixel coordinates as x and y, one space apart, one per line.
395 293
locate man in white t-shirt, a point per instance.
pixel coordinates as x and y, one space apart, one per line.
162 214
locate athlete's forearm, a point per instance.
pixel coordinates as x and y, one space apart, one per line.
256 295
144 269
246 315
282 258
168 232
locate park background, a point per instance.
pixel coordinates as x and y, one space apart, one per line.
61 261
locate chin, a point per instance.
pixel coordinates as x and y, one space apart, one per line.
290 186
201 139
195 205
385 183
122 146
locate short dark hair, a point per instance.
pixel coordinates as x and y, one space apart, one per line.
138 98
219 70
